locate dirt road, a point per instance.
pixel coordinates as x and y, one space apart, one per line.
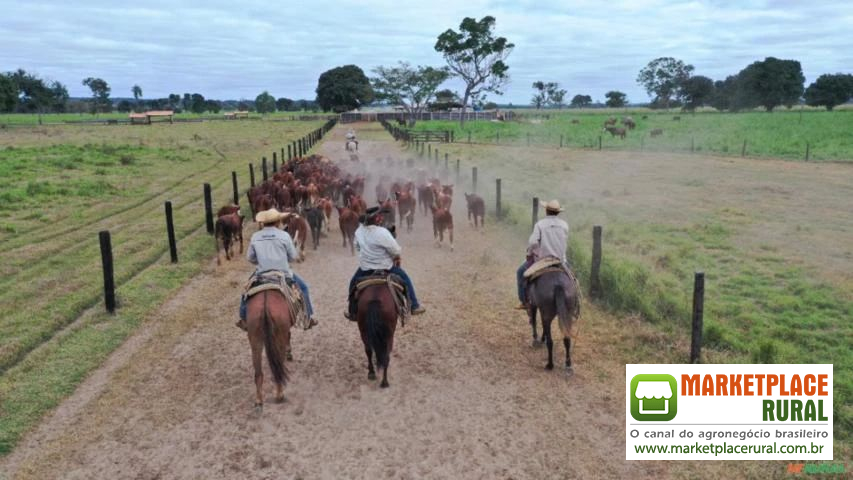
469 397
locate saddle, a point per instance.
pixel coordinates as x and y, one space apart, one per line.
543 266
394 283
274 280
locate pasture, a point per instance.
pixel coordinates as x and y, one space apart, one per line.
781 134
59 186
773 237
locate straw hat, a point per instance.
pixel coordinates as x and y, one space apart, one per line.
553 206
270 216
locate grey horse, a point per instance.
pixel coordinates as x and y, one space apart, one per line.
554 294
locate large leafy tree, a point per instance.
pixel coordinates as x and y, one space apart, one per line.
343 88
662 78
174 100
615 99
100 94
213 106
540 94
284 104
476 56
265 103
770 83
696 91
556 96
830 90
34 95
8 93
137 93
198 103
581 101
411 87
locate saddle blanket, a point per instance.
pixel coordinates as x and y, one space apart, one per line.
398 292
276 281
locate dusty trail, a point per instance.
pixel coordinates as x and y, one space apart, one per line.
469 397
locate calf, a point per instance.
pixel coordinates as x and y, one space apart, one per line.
297 227
614 131
228 228
476 208
406 208
441 220
348 221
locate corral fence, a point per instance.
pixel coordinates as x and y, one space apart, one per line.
426 152
349 117
127 121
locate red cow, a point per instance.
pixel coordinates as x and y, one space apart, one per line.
442 220
406 208
228 228
348 221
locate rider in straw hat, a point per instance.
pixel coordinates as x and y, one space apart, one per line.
271 249
550 238
378 250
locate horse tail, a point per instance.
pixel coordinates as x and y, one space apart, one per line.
377 333
562 309
275 355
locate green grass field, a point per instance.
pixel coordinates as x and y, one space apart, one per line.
781 134
59 186
774 238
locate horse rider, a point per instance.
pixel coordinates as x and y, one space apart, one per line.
550 238
272 249
351 137
378 251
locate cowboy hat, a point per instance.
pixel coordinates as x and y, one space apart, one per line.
270 216
553 206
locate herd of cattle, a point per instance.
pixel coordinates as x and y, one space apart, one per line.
628 123
313 188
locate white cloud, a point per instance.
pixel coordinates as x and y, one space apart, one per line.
224 49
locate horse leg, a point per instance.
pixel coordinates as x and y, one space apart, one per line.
371 373
450 232
384 383
549 342
567 342
344 235
259 373
531 315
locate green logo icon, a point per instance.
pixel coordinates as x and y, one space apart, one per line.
654 397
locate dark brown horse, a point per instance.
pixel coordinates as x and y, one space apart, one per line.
227 230
476 208
554 294
377 321
348 221
268 323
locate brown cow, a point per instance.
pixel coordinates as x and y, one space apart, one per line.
326 205
348 221
610 121
614 131
441 220
629 123
476 208
228 228
357 204
444 198
426 197
406 208
297 227
656 132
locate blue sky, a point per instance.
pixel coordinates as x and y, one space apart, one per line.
226 49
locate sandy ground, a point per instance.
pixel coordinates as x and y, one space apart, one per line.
469 397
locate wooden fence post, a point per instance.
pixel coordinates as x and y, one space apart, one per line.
457 170
107 263
234 188
282 156
429 150
446 160
469 136
698 311
594 277
599 142
808 146
692 145
743 150
474 178
208 208
535 216
498 197
170 233
274 162
498 137
528 139
264 168
436 156
561 141
289 155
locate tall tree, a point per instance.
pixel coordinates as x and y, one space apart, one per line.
213 106
265 103
8 93
771 82
100 94
581 101
59 97
556 96
174 100
411 87
615 99
197 103
137 93
343 88
284 104
663 77
696 91
540 95
830 90
187 102
477 57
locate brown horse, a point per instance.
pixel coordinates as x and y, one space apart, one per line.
377 321
268 323
406 208
476 208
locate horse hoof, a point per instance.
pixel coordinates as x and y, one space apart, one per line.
280 399
289 357
569 371
371 376
536 343
259 409
550 366
384 384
